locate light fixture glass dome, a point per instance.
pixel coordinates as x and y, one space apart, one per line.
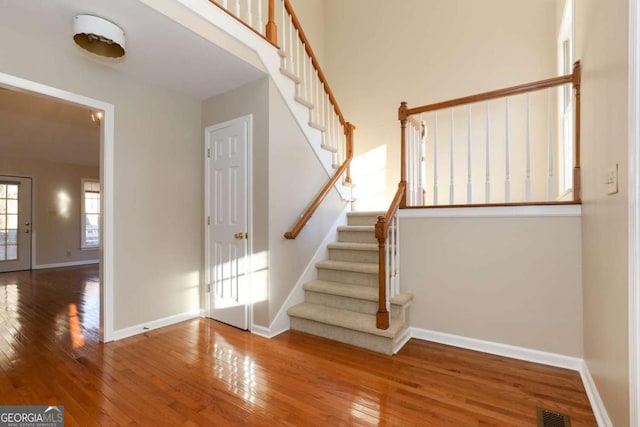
98 36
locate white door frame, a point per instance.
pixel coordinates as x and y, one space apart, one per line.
207 194
634 213
106 178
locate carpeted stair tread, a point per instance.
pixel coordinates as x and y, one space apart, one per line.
356 267
354 246
354 291
345 319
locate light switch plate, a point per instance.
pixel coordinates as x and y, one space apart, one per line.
612 179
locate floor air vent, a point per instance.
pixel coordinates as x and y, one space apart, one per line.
547 418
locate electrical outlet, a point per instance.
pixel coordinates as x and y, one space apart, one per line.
612 179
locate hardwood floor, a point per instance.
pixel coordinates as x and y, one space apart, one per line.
201 372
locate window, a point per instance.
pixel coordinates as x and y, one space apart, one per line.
90 233
565 110
8 222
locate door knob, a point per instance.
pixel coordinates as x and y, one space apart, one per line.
26 231
238 235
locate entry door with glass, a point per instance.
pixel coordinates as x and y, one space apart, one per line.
15 223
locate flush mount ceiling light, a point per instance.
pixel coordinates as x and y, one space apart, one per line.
98 36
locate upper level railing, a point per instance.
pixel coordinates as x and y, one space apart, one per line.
515 145
276 21
538 130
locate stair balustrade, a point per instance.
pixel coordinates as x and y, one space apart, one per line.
299 62
499 147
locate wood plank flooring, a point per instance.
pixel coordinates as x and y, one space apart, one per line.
203 373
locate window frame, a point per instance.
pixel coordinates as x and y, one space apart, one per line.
565 111
83 213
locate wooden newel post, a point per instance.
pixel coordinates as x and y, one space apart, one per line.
577 181
382 316
271 31
348 131
402 116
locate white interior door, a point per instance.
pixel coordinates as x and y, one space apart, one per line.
227 218
15 223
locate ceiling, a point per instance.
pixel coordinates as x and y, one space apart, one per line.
158 50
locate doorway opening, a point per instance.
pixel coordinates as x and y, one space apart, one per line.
60 206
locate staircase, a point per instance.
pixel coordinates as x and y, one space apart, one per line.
341 304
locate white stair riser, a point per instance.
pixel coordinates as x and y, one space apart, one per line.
347 336
356 236
350 277
351 255
353 304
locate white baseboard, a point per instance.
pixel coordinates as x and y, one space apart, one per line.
66 264
264 332
281 322
599 410
155 324
521 353
406 336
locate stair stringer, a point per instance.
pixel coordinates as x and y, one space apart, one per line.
268 57
281 321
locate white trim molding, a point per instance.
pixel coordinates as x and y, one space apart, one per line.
66 264
154 324
107 144
494 212
506 350
597 406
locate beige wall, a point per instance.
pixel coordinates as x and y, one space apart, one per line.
158 177
508 280
602 45
56 233
379 53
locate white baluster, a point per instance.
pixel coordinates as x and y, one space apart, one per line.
451 160
249 19
292 34
507 165
487 185
301 87
421 164
397 256
299 56
261 27
224 4
435 160
527 189
550 145
309 95
388 263
236 8
469 154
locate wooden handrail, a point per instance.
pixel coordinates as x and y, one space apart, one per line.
381 232
304 218
487 96
314 61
